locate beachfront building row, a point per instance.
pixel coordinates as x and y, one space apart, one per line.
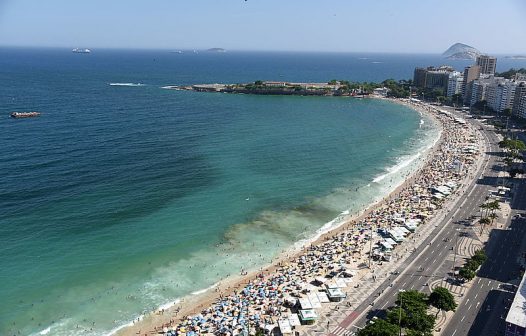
477 83
452 82
500 94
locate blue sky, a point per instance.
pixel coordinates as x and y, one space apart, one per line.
427 26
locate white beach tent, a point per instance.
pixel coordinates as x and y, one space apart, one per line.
284 327
322 297
314 301
294 320
305 303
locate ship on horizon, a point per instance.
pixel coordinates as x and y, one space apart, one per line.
24 114
81 50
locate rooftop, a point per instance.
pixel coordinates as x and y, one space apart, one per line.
517 313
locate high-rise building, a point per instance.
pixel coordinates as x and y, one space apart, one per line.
500 93
470 74
521 110
454 83
516 318
419 77
519 101
487 64
432 78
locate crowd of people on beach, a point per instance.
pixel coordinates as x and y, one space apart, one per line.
260 302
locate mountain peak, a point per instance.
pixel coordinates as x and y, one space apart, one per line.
461 51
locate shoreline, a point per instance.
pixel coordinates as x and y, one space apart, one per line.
193 303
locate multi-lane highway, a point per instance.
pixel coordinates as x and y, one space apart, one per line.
432 262
484 308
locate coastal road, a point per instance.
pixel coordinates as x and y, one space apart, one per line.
432 261
484 308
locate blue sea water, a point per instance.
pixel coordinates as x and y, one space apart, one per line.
119 199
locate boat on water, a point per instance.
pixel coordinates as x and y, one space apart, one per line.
81 50
24 114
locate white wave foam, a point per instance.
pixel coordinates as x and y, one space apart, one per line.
115 330
126 84
45 331
122 326
396 168
205 290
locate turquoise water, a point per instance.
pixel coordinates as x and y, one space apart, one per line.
120 199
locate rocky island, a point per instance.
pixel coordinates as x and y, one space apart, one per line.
461 51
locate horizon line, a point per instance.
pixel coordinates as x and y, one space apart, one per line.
249 50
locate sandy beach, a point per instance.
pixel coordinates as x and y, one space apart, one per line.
263 297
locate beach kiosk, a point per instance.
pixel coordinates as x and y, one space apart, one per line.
285 327
308 316
335 294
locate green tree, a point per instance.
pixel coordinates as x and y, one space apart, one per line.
510 73
379 327
442 299
480 256
412 299
466 273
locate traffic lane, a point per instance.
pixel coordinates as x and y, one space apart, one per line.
488 288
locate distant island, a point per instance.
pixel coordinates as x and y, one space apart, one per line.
217 50
518 57
461 51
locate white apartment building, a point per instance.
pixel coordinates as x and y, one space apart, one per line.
454 83
500 93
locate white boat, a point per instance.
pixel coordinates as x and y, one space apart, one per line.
81 51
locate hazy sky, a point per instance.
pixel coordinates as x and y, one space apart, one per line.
492 26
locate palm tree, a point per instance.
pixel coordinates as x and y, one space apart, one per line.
483 221
484 206
493 216
494 206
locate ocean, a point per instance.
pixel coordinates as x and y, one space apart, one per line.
123 197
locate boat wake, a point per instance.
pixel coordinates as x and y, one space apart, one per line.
126 84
